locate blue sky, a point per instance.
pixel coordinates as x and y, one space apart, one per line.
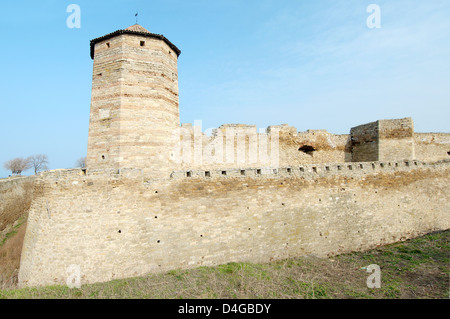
309 64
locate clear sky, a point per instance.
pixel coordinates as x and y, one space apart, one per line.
309 64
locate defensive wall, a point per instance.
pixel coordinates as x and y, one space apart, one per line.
117 223
157 195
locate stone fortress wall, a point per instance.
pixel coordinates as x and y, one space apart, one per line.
157 195
119 223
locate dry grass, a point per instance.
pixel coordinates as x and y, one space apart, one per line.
15 201
417 268
10 253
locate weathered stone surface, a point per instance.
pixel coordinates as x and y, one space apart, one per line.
157 196
116 225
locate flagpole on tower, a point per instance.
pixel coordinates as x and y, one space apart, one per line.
136 15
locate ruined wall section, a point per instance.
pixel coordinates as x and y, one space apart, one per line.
243 146
365 142
432 147
116 224
384 140
396 139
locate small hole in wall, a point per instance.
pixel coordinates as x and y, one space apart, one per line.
188 174
156 216
448 153
158 241
307 149
108 45
142 43
156 192
120 231
289 170
201 236
302 169
243 172
103 157
208 174
224 173
258 171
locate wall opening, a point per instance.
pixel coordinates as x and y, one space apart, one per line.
307 149
207 174
243 172
142 43
258 172
188 174
108 45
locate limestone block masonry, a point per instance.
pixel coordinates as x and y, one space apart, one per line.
116 224
151 200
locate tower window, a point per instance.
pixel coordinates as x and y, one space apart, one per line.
108 45
142 43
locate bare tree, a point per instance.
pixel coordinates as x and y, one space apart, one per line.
17 165
38 162
81 162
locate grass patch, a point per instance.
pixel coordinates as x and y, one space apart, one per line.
413 269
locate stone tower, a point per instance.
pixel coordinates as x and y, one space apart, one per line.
134 104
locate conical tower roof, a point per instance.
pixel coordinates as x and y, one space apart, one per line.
137 28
